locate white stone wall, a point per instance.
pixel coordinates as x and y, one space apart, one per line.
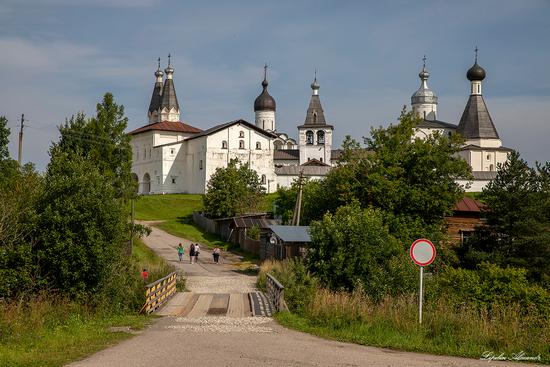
423 133
484 160
485 143
265 120
287 162
427 111
474 186
317 151
241 142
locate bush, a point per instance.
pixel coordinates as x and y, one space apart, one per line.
490 285
354 247
299 284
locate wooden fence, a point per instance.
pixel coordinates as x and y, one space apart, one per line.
275 293
159 292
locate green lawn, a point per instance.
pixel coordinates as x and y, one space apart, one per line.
66 339
166 207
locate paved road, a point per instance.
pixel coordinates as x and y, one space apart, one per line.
250 341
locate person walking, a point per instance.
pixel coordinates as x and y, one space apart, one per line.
197 251
191 253
181 251
216 255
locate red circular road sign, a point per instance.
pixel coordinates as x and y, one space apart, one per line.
422 252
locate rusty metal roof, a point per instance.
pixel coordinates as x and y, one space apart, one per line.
467 204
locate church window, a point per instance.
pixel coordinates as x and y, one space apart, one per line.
314 117
488 156
263 179
241 144
321 160
258 145
309 137
320 137
491 167
224 144
172 151
200 164
173 180
241 134
144 153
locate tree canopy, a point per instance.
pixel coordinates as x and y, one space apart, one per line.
517 228
102 140
233 190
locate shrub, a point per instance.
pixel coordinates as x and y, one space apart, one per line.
299 284
490 285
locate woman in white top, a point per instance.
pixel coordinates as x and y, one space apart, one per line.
197 250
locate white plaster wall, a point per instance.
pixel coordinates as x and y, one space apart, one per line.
475 186
315 151
427 111
265 120
423 133
260 160
485 143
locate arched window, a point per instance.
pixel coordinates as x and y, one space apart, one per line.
258 145
491 167
309 137
320 137
488 156
277 145
241 144
241 134
224 144
314 117
263 179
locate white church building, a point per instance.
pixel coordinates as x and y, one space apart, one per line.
483 149
170 156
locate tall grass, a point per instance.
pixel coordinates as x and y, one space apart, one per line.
50 330
451 328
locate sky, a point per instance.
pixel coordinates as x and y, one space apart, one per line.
59 57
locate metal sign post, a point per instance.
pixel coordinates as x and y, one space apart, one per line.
422 252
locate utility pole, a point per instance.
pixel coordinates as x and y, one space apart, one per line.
298 207
19 156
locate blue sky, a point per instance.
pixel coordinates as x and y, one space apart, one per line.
59 57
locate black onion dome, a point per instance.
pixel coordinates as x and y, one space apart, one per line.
264 102
476 73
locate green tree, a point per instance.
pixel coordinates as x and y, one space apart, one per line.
517 229
233 190
354 247
80 227
4 138
102 140
18 196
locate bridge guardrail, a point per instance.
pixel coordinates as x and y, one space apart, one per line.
159 292
275 293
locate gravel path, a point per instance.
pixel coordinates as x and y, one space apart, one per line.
213 341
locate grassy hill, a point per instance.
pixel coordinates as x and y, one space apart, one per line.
176 210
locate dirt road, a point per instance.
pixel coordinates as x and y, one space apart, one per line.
246 341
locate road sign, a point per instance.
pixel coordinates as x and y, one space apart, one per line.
422 252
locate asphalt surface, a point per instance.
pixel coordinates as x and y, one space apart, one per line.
251 341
